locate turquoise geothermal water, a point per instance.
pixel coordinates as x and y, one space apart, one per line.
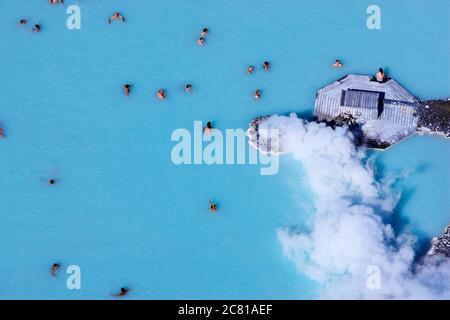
121 210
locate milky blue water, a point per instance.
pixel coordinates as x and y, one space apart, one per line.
121 210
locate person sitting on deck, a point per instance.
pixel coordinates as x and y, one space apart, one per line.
116 16
53 269
126 89
380 76
337 64
36 28
212 206
123 291
161 94
55 1
208 128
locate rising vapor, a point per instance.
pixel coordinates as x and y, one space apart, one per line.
349 233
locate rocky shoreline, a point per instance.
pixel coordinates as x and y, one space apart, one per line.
434 117
441 245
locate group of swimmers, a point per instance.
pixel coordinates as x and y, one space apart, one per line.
36 27
161 93
203 34
380 76
250 69
122 292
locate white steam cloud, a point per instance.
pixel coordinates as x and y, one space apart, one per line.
348 241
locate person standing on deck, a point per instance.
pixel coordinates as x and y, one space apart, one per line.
380 76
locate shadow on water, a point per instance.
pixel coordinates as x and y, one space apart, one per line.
398 220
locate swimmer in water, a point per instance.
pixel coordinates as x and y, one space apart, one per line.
204 32
2 133
257 94
126 89
250 69
161 94
212 206
337 64
52 181
266 65
54 268
201 41
208 128
380 76
116 16
22 22
36 28
123 292
187 88
55 1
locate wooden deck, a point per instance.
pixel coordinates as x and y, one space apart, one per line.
385 111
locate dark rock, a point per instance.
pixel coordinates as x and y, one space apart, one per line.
441 245
434 116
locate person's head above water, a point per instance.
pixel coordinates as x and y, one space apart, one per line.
51 181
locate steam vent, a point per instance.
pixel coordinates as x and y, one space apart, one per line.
384 112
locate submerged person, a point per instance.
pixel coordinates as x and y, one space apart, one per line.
36 28
266 65
380 76
250 69
212 206
204 32
116 16
54 268
123 291
208 128
257 94
187 88
337 64
161 94
126 89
